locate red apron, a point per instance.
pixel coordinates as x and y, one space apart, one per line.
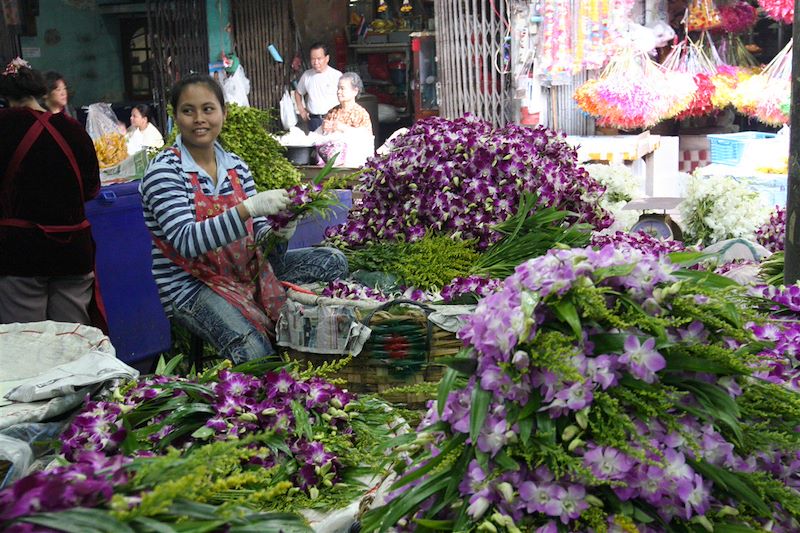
58 233
238 271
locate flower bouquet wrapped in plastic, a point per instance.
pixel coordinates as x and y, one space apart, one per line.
700 60
634 92
780 10
763 95
702 15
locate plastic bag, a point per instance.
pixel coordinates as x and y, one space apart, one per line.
288 115
108 134
236 88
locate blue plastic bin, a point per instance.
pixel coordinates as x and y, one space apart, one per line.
311 230
727 148
138 327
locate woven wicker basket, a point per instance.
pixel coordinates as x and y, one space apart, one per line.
401 352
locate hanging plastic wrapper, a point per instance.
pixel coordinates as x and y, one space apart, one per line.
578 35
765 96
702 15
634 92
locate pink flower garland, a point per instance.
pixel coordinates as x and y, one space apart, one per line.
780 10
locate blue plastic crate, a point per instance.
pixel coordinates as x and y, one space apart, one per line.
727 148
137 325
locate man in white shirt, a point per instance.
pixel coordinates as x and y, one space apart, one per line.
319 83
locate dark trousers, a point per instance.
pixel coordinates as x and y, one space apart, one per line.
314 122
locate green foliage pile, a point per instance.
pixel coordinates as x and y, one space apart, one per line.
246 133
428 264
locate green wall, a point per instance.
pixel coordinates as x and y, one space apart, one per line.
84 46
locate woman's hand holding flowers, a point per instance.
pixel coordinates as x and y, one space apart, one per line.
267 203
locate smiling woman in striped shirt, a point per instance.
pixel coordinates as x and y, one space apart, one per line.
205 217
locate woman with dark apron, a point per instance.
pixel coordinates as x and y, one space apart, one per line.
48 170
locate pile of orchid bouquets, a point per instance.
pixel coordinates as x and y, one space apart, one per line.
463 176
265 441
603 390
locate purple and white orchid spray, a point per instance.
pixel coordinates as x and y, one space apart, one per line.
604 390
772 234
462 177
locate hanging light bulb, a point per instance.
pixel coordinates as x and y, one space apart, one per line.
382 7
406 7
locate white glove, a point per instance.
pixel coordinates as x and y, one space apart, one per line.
267 203
286 232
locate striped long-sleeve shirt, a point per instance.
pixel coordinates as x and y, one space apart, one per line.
169 214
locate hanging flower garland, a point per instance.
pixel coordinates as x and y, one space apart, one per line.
702 15
634 92
697 59
764 95
780 10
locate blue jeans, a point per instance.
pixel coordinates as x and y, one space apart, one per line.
212 318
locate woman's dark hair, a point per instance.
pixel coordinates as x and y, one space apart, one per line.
145 110
193 79
51 79
22 84
322 46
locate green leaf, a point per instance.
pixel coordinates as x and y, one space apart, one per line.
79 520
411 500
261 522
706 279
325 170
451 444
301 420
445 386
461 365
506 462
613 271
688 259
733 528
478 411
680 362
153 524
436 525
566 311
734 484
525 429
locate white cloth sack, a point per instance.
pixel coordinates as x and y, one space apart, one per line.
288 113
51 366
236 87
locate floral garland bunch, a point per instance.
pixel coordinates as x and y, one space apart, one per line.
719 208
772 234
738 17
703 100
725 81
461 177
780 10
602 390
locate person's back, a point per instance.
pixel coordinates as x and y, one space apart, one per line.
46 192
48 170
